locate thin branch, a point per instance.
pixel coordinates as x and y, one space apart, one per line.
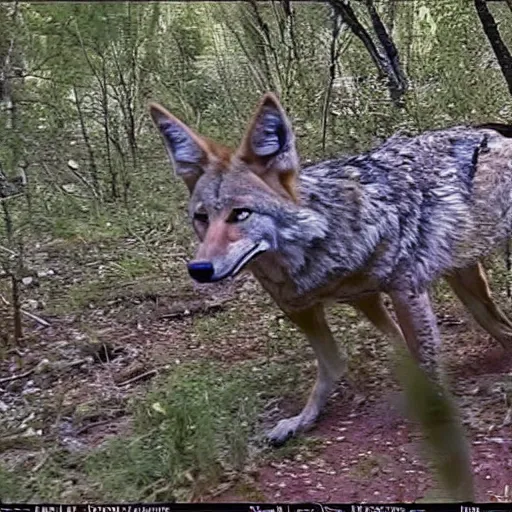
19 376
390 49
6 65
498 45
38 319
142 376
89 426
336 28
92 159
264 28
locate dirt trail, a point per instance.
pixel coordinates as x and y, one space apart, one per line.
373 456
370 453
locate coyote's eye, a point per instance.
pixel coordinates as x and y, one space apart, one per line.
239 215
201 217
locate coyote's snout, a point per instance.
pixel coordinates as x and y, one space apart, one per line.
392 220
215 269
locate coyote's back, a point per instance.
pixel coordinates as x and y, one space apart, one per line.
416 206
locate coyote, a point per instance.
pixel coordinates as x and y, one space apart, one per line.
391 220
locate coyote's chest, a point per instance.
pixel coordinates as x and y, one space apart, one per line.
283 289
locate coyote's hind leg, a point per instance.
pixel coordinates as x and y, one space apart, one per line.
373 308
471 287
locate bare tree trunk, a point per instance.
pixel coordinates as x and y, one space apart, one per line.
16 296
126 103
5 89
261 30
263 26
386 63
13 273
498 45
106 129
334 53
12 188
283 21
288 10
399 82
92 159
411 8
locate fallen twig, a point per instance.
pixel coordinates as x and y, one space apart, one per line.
142 376
27 313
38 319
41 463
76 362
85 428
10 251
20 441
508 418
19 376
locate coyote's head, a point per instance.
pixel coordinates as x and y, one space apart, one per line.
242 202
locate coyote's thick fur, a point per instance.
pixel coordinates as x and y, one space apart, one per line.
391 220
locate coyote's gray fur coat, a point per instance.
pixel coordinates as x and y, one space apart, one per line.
411 209
391 220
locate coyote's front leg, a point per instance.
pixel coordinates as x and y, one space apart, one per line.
331 367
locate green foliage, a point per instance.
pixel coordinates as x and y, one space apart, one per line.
88 71
192 431
57 472
11 486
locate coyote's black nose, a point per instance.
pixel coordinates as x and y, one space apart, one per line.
201 271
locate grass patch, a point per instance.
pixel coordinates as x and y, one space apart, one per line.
79 297
11 486
130 269
194 430
218 326
188 432
93 227
132 266
54 479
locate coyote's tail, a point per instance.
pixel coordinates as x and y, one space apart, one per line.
506 131
503 129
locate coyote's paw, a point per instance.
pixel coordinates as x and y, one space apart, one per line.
288 428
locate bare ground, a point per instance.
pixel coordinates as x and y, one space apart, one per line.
71 383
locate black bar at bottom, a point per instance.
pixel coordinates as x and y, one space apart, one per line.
253 507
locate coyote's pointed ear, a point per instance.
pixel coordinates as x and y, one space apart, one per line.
269 145
187 151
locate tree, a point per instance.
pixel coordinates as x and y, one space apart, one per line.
386 59
495 39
